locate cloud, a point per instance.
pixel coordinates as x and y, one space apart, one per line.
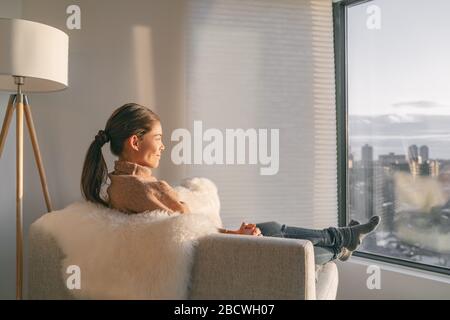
420 104
398 118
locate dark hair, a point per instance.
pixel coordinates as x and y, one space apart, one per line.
130 119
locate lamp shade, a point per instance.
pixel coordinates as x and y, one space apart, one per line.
35 51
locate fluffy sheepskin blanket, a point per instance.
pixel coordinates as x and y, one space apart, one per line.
142 256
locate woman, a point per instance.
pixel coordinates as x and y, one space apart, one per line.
135 137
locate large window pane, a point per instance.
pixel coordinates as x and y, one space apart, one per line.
264 64
399 126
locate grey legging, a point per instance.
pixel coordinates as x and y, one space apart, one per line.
328 243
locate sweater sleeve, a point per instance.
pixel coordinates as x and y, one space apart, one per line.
133 195
164 196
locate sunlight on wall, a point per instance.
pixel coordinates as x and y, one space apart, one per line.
143 60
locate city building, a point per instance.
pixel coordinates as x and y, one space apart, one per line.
413 153
424 153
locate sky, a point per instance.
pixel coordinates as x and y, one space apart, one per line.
399 76
403 67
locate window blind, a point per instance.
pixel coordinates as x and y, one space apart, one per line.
266 65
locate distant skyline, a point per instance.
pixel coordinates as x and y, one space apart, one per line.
391 133
402 68
381 147
357 153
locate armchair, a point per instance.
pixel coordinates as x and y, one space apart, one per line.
226 266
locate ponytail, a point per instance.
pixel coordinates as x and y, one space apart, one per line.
95 170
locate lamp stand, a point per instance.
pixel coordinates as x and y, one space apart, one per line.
19 101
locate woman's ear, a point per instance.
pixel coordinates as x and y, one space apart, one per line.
133 142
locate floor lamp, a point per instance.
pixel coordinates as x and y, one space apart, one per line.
33 58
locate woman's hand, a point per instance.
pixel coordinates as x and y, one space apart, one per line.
249 229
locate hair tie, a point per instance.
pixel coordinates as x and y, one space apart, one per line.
102 137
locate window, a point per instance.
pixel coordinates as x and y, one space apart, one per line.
266 65
393 74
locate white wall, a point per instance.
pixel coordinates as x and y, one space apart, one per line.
396 282
8 9
111 61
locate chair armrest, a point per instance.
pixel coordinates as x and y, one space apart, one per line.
45 262
228 266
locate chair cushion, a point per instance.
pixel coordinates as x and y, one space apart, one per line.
326 281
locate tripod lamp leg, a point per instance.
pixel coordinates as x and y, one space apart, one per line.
37 153
6 122
19 198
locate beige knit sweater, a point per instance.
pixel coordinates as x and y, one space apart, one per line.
133 189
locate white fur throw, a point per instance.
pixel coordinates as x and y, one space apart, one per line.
140 256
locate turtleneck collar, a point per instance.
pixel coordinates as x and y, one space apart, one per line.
132 168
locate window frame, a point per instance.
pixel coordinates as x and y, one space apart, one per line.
340 50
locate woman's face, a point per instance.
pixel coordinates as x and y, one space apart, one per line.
146 151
